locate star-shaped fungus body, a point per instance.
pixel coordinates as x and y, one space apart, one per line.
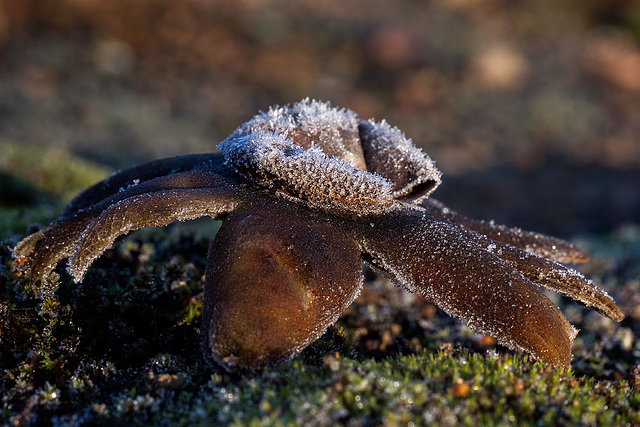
307 193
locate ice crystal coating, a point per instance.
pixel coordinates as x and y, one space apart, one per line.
309 174
390 154
305 193
313 124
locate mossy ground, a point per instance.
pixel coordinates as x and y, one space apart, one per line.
123 348
125 82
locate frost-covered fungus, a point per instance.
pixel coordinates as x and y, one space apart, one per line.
329 183
388 153
306 193
279 275
313 124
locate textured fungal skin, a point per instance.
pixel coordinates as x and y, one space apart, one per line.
325 182
313 124
306 193
388 153
438 262
271 292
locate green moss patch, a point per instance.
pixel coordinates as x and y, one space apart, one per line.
27 172
123 347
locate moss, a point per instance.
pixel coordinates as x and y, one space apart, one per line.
35 183
123 347
50 172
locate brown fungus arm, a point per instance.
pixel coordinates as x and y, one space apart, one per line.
390 154
277 276
557 277
324 182
42 250
549 274
434 259
546 246
140 173
146 210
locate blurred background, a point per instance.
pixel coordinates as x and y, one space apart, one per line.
531 109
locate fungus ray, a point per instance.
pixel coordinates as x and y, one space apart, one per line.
546 246
146 210
277 276
430 258
44 248
540 270
557 277
138 174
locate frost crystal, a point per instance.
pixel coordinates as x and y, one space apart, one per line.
327 182
311 123
389 153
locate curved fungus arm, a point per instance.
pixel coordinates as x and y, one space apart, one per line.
146 210
137 174
43 249
430 258
557 277
277 277
325 182
546 246
390 154
38 253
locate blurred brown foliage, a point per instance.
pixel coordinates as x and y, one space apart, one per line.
475 82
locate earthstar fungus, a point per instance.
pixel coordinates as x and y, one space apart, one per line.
307 193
